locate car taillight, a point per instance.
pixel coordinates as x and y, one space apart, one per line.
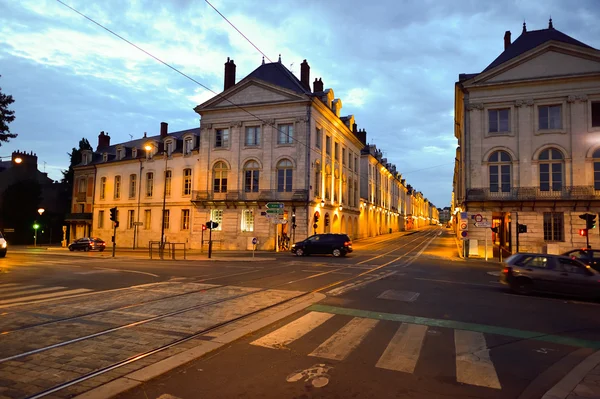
347 243
506 270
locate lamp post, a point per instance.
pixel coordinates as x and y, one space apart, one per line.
36 226
16 160
148 147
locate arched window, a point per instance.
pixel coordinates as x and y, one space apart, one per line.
251 177
284 176
596 156
499 168
551 170
220 177
317 178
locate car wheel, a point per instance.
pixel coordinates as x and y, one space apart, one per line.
2 254
522 286
71 249
336 252
86 249
101 250
299 252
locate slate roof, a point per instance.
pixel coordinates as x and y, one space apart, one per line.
277 74
531 39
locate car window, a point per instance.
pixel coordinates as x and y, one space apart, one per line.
578 254
595 254
313 238
570 266
534 261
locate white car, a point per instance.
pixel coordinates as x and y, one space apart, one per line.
3 246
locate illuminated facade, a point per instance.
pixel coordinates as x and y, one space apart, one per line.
528 129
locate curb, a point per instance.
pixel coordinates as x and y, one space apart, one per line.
137 378
574 377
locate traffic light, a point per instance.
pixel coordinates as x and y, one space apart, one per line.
36 226
316 217
113 214
583 232
203 227
326 219
590 220
522 228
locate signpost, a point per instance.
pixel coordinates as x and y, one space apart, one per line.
254 243
275 213
210 225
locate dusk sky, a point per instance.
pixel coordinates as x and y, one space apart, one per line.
392 63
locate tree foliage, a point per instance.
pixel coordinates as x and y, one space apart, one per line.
75 157
20 202
6 117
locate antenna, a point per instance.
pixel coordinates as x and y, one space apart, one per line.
44 166
131 136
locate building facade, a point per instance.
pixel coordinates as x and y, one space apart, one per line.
528 129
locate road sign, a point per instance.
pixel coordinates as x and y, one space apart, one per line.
484 223
254 240
464 234
279 221
275 211
212 225
262 213
479 218
463 225
274 205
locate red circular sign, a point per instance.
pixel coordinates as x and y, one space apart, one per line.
463 226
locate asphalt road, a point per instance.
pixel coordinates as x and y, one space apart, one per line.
403 317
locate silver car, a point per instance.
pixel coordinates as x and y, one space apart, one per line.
525 273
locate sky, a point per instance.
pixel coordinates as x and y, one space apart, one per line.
393 63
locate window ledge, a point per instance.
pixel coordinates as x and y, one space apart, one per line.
500 134
286 144
550 131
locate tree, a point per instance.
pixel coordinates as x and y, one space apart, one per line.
20 202
6 117
75 156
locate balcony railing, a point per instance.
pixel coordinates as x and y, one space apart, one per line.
81 197
78 217
262 195
533 193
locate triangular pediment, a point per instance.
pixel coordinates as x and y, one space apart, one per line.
251 92
547 61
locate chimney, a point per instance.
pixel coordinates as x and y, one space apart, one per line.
362 136
229 74
506 39
305 75
317 85
354 128
164 130
103 141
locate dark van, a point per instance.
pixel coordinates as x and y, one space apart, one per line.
329 243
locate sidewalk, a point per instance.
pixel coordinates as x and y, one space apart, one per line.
581 382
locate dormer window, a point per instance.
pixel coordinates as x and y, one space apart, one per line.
188 145
134 153
169 147
120 153
150 148
104 157
84 158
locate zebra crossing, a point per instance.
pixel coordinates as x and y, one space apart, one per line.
473 363
12 294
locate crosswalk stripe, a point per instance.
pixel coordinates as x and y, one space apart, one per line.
43 296
345 340
292 331
473 364
402 353
7 285
22 287
27 292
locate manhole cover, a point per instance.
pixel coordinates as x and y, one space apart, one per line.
394 295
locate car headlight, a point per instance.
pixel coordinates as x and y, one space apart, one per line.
4 244
293 245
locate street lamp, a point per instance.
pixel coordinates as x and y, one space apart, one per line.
15 160
148 147
36 226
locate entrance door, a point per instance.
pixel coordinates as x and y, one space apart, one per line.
502 238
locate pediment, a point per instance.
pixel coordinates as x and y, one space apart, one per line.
547 62
251 92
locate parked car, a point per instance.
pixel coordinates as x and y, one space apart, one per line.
329 243
87 244
590 257
525 273
3 246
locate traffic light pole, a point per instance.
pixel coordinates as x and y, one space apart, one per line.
114 238
587 239
517 217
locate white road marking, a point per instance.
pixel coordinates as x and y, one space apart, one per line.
7 285
402 353
287 334
359 283
28 292
345 340
22 287
396 295
129 271
473 364
25 299
316 374
451 282
323 271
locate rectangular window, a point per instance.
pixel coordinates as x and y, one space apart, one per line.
499 178
189 145
169 147
285 134
147 219
595 113
356 164
149 184
247 220
343 156
550 117
336 151
328 145
597 176
82 185
319 138
216 215
222 138
187 182
553 226
185 219
168 176
100 219
252 136
251 179
132 185
130 219
499 120
102 187
117 187
284 180
166 217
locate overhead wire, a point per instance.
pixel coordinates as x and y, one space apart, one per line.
218 95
